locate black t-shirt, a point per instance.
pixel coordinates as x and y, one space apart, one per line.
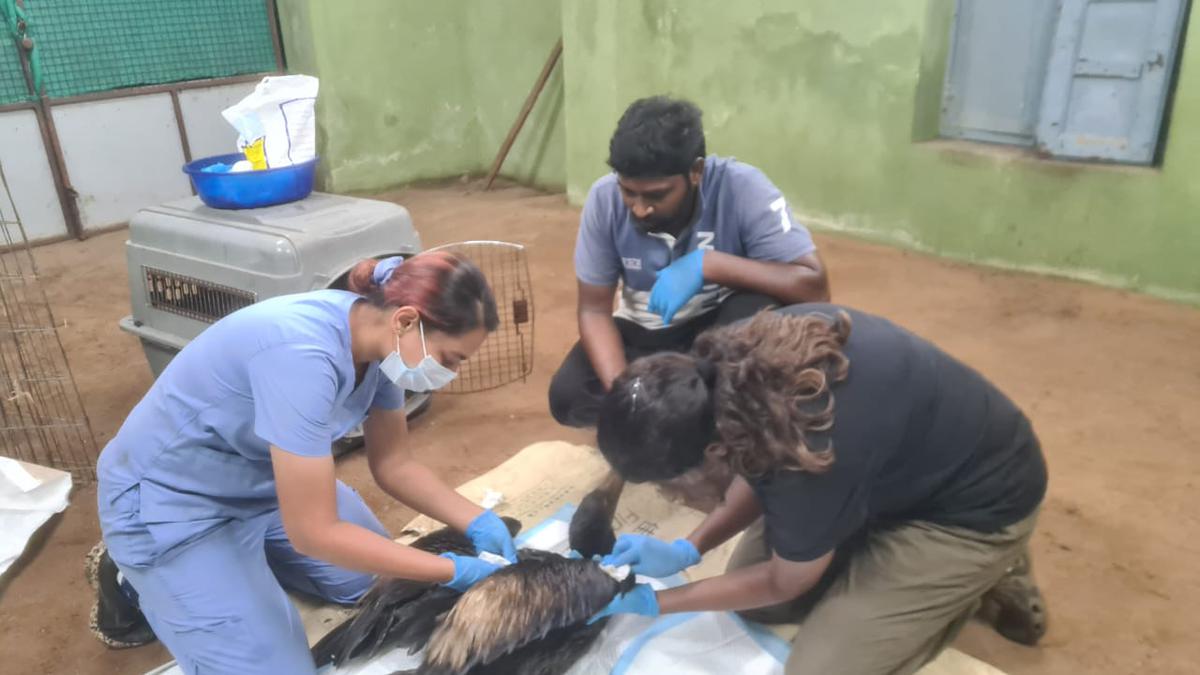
916 435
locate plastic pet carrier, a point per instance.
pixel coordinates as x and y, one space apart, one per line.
189 265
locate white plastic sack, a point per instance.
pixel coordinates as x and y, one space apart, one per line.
683 644
276 123
27 501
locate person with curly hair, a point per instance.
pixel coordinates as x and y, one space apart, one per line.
886 490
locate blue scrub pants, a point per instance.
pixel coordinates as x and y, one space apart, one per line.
219 605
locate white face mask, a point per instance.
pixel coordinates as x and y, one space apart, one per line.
426 376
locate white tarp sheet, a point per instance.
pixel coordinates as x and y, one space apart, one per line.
29 496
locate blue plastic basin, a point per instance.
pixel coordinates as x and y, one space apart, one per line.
250 189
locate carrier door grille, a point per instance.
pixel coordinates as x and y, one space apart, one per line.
193 298
507 353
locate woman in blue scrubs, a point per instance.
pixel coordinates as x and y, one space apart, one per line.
218 492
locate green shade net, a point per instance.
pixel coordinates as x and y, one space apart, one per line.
87 46
12 81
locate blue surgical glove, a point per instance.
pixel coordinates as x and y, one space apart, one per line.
676 284
468 571
652 557
490 534
641 599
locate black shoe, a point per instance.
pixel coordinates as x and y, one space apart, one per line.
1015 606
115 620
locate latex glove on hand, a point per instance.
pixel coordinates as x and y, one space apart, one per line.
468 571
677 283
489 533
652 557
641 599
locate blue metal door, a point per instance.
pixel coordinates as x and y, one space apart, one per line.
1108 79
997 64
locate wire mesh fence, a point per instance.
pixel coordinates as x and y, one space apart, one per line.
12 81
86 46
507 354
42 419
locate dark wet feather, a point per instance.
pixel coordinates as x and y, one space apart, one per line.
397 612
528 611
591 531
527 618
554 654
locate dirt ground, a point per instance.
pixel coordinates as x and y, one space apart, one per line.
1107 377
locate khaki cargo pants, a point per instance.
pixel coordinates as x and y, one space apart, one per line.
893 599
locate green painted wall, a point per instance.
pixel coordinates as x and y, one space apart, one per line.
413 90
509 44
834 100
837 100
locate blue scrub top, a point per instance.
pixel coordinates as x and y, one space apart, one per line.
196 447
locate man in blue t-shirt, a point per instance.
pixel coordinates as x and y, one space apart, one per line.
694 240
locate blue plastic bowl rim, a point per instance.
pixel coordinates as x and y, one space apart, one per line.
195 166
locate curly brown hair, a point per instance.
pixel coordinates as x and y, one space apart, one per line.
772 390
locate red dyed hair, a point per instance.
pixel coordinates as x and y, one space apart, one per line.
448 291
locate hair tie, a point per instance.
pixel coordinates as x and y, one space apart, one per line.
384 269
634 390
